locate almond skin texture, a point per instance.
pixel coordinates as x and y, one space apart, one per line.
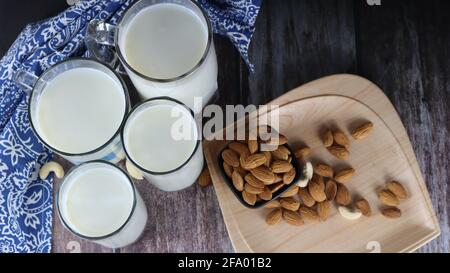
266 194
309 214
204 180
364 206
323 210
290 203
250 189
276 187
323 170
253 161
238 182
292 191
253 146
388 198
316 189
327 138
339 152
343 196
230 157
264 174
397 189
302 152
391 212
330 190
341 139
280 154
362 131
281 166
344 175
273 204
255 182
292 218
228 169
241 171
274 216
306 197
289 176
238 147
249 198
268 156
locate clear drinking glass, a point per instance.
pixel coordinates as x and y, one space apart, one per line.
71 195
190 164
111 150
198 82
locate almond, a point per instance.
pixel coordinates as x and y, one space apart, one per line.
317 191
238 147
204 180
323 210
339 152
242 172
290 203
230 157
264 174
253 146
306 197
289 176
281 166
255 182
250 189
388 198
343 196
274 216
309 214
268 156
327 138
292 218
277 140
249 198
302 152
330 189
266 194
276 187
391 212
278 177
340 138
238 182
323 170
280 154
228 169
362 131
397 189
253 161
364 206
272 204
344 175
292 191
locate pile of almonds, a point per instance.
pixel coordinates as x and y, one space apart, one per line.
391 197
258 174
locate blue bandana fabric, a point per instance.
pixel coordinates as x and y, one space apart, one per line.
25 200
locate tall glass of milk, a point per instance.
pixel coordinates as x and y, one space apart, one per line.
165 46
98 201
161 138
77 108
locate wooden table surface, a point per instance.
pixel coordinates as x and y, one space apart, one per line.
403 46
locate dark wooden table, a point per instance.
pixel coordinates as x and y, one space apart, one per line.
403 46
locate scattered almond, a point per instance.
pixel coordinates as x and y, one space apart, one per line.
204 180
391 212
330 189
340 138
290 203
305 197
323 209
339 152
238 182
249 198
362 131
302 152
388 198
274 216
343 196
292 191
397 189
327 138
281 166
292 217
230 157
309 214
344 175
317 190
364 206
324 170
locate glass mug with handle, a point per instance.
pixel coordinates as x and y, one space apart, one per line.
166 48
77 108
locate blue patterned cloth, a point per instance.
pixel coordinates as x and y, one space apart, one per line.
25 200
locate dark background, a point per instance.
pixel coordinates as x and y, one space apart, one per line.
403 46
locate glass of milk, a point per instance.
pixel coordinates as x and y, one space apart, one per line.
162 139
98 201
165 46
76 108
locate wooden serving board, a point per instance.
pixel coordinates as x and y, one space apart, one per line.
338 101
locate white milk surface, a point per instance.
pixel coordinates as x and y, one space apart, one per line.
80 110
165 41
97 201
150 141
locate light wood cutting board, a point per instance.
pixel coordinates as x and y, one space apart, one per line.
338 101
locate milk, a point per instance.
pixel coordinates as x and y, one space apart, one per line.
166 41
80 110
97 199
153 141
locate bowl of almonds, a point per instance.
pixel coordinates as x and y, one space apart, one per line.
257 174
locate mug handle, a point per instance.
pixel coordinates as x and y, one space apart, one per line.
25 80
100 42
